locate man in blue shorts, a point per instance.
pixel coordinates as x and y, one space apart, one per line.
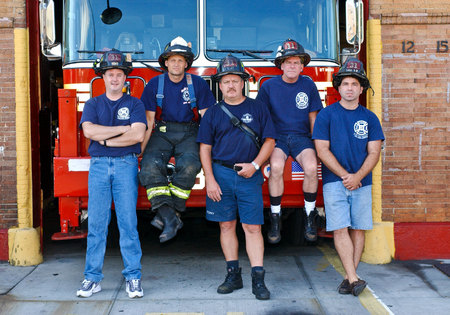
348 140
294 102
115 123
231 159
174 99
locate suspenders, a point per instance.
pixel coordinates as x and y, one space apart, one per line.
160 94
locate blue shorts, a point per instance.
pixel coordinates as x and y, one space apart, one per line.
293 145
347 208
238 193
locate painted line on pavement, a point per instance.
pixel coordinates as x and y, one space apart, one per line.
228 313
368 298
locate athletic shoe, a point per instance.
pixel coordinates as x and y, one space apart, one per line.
134 289
88 287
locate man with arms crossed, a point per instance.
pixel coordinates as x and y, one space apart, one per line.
115 123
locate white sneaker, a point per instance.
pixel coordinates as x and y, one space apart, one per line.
88 287
134 289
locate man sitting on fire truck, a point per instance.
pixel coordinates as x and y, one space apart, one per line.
294 102
174 100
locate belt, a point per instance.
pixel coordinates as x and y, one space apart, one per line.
224 164
176 126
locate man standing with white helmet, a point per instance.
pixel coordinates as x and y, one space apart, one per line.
172 101
294 102
348 140
231 157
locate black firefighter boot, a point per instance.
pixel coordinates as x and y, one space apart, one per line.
157 221
172 223
274 236
259 288
233 281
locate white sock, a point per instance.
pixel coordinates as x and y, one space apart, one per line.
275 209
309 206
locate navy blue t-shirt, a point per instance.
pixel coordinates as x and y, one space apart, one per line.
102 111
349 132
290 104
176 105
229 143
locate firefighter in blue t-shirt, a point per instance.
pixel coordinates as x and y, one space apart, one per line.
231 159
294 102
115 123
348 141
172 101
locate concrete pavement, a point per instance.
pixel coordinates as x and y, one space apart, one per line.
182 277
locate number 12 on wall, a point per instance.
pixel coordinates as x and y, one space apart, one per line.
408 46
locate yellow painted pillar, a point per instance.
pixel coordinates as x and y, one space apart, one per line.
23 241
379 246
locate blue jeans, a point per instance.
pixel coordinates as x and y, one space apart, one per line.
347 208
113 179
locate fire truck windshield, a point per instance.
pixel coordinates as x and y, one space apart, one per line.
145 26
265 24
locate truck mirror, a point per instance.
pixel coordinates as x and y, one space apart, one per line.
49 47
354 12
110 15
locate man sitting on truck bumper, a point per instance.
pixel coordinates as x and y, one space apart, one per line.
294 102
170 100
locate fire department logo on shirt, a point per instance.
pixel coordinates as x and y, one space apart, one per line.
301 100
123 113
247 118
185 92
360 128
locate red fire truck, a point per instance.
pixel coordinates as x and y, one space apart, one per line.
252 30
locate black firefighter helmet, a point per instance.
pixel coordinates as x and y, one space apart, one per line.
177 46
230 65
113 59
354 68
291 48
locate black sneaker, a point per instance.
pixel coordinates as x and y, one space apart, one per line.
88 287
310 226
274 236
233 281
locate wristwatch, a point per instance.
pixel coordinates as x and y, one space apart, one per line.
255 165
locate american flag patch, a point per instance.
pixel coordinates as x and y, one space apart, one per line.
297 172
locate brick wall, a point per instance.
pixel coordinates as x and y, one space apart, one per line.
12 14
416 101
